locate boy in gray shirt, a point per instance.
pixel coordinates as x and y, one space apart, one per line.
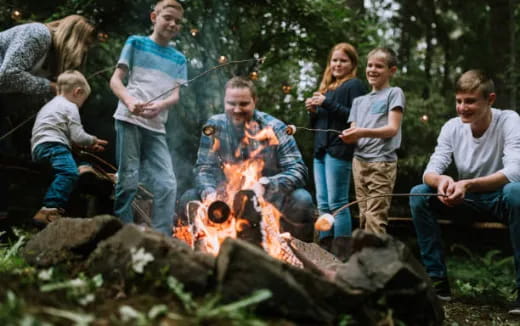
376 130
56 128
484 144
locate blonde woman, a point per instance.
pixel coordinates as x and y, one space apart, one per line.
34 54
329 108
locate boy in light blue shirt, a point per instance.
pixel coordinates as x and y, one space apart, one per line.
153 67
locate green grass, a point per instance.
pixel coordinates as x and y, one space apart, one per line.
486 278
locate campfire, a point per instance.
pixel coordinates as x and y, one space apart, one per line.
239 211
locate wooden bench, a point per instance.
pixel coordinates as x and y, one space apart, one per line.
475 225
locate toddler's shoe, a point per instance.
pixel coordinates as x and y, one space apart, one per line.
47 215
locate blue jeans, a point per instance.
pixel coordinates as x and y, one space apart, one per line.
143 157
332 179
503 205
65 172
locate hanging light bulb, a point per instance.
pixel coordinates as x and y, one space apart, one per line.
222 59
253 75
424 118
16 15
102 37
194 32
286 88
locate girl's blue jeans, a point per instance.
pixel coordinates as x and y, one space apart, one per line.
64 169
502 205
143 157
332 180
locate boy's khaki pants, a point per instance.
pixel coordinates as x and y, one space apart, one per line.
371 179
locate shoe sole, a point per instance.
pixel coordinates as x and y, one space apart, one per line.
515 311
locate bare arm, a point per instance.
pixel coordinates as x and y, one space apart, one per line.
119 89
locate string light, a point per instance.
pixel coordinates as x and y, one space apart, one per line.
253 75
102 37
16 15
424 118
286 88
194 32
222 59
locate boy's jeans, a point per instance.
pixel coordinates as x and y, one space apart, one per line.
65 172
332 181
503 205
143 156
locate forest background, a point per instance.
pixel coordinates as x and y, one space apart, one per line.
436 40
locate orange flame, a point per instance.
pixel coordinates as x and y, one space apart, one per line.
208 236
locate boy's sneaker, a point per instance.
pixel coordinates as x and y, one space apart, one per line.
514 307
441 286
47 215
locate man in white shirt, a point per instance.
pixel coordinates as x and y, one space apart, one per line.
484 144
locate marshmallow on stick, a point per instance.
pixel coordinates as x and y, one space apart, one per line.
324 222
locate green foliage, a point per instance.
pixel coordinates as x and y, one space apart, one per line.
210 309
482 278
9 252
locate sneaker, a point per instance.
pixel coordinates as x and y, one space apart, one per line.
47 215
514 307
441 286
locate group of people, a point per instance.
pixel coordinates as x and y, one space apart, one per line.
357 132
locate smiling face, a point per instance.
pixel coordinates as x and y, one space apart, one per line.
378 72
474 107
167 24
239 105
340 64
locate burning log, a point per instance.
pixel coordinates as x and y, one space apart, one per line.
249 214
218 212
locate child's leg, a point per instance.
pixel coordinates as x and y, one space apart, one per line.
360 172
160 179
380 181
65 173
128 157
338 184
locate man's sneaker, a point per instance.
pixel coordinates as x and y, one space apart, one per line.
47 215
514 307
441 286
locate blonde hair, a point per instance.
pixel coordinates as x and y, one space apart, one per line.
475 80
389 54
71 79
160 5
329 82
71 37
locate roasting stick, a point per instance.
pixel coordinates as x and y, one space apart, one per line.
325 221
291 130
186 83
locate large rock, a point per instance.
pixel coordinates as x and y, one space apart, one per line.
69 239
298 294
115 258
385 267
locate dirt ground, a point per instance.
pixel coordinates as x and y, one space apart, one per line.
466 313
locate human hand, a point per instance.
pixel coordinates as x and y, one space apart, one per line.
317 99
458 192
350 135
152 109
98 145
135 106
209 195
309 106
